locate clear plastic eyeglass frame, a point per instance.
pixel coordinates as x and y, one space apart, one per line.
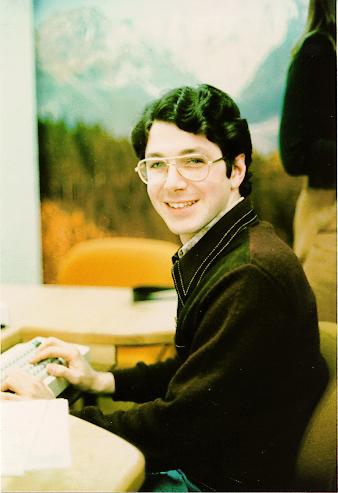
193 167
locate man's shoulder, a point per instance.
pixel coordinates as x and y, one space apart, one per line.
260 257
262 248
258 244
271 254
264 242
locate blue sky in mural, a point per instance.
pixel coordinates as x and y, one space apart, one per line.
102 60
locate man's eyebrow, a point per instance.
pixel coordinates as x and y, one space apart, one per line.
193 150
154 154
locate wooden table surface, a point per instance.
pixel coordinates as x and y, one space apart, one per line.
101 462
86 315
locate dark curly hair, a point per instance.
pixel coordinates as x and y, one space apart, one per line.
202 110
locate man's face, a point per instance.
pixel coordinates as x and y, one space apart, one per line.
184 205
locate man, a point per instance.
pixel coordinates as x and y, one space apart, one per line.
226 413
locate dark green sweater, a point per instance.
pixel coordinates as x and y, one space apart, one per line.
230 408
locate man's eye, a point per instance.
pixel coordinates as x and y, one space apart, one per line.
194 161
157 164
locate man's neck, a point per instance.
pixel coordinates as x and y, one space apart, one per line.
188 244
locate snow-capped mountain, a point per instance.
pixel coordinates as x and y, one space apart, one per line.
93 69
89 71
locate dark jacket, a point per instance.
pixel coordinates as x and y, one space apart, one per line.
308 125
229 410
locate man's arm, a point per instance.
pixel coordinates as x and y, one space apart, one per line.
140 383
143 383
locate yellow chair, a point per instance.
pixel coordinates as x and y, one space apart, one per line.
120 261
317 458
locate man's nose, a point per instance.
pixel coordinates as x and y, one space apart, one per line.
173 179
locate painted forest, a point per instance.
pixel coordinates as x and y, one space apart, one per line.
89 189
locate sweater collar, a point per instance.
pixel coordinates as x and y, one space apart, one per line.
189 270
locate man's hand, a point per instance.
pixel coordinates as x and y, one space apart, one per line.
77 370
20 385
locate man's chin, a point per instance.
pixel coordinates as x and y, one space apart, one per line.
184 233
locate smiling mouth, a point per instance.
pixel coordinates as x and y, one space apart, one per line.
181 205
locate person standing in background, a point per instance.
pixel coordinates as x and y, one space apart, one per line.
308 147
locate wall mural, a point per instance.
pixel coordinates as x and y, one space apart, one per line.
98 62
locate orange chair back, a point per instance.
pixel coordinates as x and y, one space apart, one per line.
118 261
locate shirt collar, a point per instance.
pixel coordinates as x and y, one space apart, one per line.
192 242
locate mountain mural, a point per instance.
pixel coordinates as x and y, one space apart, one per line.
91 70
91 75
261 99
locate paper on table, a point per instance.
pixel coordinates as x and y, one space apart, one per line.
34 435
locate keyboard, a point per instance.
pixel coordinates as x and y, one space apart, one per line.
20 355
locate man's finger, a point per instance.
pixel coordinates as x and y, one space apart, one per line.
71 375
52 341
11 377
8 396
66 352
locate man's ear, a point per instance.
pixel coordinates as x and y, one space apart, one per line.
238 171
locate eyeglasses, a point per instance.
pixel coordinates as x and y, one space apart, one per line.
194 167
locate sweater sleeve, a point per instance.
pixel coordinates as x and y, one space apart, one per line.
241 363
307 129
142 382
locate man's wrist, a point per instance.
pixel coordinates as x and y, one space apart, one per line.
104 383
